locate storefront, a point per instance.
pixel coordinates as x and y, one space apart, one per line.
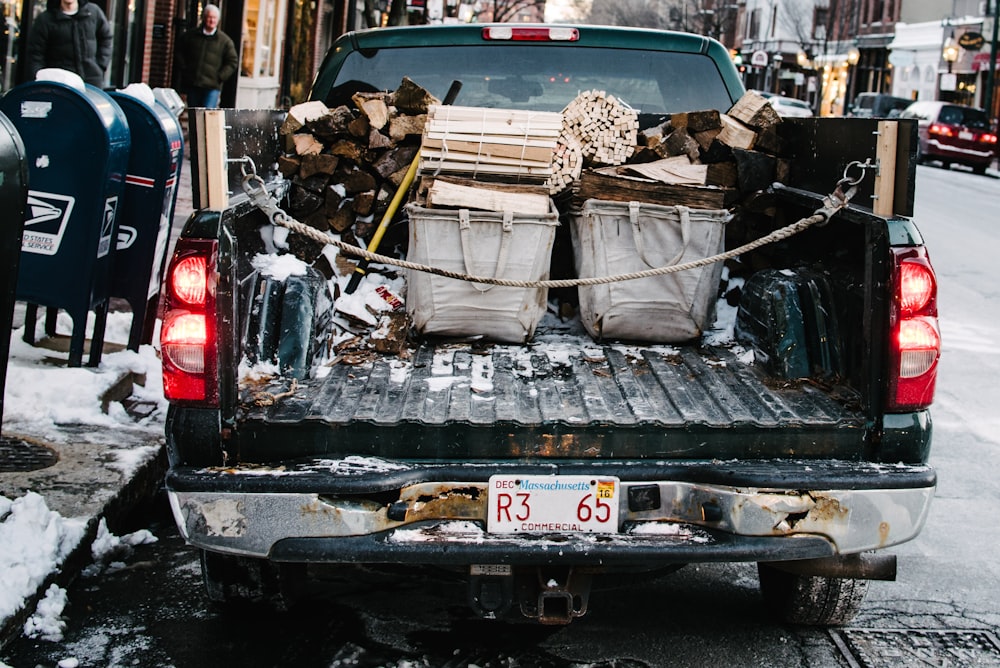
260 54
834 78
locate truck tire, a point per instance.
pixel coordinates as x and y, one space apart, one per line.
811 600
234 582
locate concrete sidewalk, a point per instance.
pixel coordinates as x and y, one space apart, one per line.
89 476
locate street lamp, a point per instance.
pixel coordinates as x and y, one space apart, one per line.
853 58
950 52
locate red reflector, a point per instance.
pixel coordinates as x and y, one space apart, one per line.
509 33
916 286
188 280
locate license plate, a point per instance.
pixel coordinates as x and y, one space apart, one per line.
966 135
553 504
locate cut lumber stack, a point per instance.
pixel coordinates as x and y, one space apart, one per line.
346 163
597 130
489 144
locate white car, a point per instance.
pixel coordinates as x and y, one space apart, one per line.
790 107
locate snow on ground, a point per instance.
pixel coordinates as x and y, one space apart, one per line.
42 398
43 395
33 542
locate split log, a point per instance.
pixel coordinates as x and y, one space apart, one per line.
412 99
331 124
703 121
735 134
306 144
721 174
470 194
289 165
373 106
754 110
678 170
608 184
318 163
755 170
301 114
680 142
402 126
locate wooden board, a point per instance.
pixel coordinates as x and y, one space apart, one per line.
469 194
595 185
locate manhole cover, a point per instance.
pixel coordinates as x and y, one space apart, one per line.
19 457
919 648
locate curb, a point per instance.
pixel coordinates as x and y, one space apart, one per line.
133 490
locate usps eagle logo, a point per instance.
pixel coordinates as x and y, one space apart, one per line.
45 222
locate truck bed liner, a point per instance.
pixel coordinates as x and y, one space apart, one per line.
560 397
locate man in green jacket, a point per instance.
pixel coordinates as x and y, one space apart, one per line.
205 58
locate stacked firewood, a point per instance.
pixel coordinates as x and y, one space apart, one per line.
346 163
700 159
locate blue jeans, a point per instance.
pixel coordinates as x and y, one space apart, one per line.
203 97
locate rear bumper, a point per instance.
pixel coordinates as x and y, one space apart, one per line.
967 156
372 511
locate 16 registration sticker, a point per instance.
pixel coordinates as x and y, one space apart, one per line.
553 504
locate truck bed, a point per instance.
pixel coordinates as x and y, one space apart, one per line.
562 396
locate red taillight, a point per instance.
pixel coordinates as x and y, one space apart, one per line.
943 130
516 34
916 339
916 286
987 138
188 279
187 335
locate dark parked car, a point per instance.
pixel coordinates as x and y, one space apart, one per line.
878 105
954 133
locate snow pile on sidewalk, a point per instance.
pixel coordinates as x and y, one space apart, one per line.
42 394
34 541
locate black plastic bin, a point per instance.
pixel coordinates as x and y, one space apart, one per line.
13 195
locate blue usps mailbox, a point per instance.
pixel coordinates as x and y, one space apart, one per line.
13 194
147 210
77 146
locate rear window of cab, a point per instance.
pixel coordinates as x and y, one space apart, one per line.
540 77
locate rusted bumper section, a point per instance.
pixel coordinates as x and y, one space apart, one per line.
437 514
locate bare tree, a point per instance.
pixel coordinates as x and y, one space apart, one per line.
662 14
509 10
797 17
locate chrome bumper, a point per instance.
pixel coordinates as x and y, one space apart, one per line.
453 514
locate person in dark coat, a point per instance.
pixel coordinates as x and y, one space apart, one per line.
72 35
205 58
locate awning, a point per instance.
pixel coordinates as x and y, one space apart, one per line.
981 62
875 41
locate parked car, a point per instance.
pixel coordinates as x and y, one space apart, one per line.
954 133
878 105
789 107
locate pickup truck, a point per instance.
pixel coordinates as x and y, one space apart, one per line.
797 439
